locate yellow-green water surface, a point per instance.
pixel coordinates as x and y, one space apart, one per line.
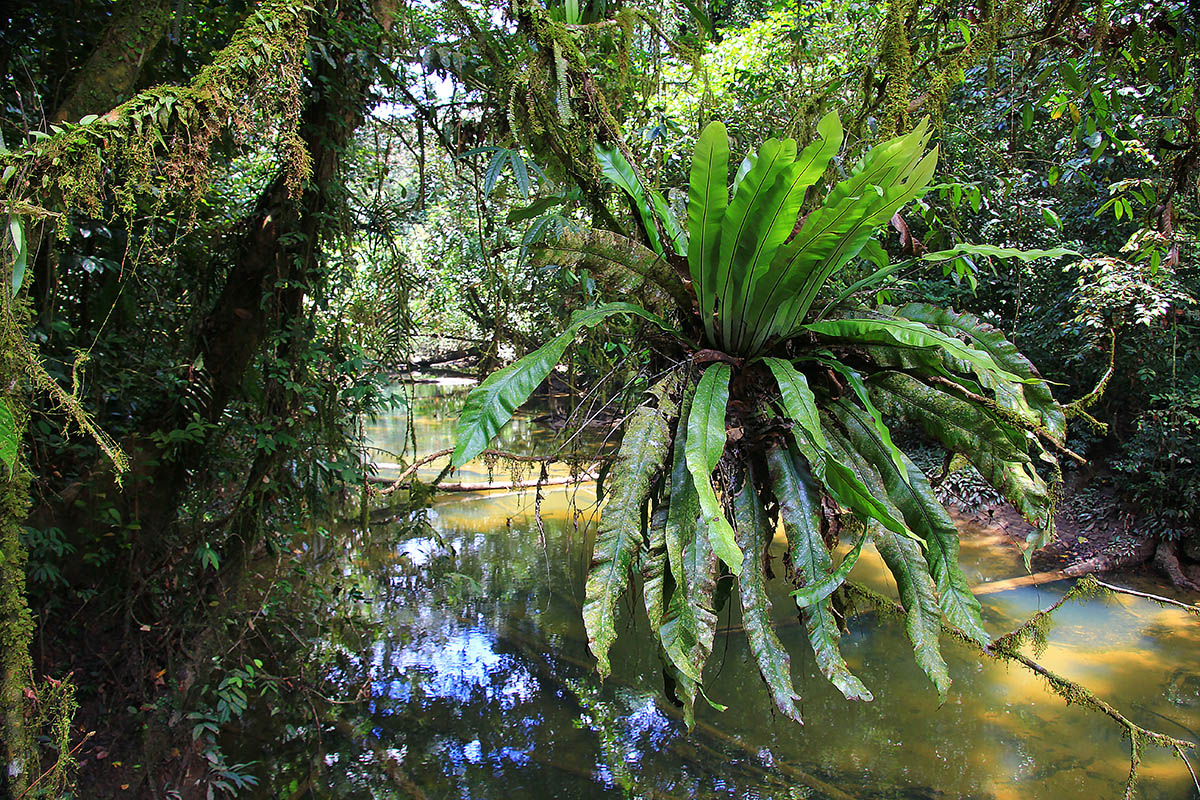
470 674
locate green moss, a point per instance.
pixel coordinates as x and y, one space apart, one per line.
895 56
16 622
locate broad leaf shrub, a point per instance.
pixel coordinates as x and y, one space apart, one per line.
776 411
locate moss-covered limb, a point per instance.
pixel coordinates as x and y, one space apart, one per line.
982 46
895 57
280 259
111 70
16 622
1079 407
1162 601
160 140
553 101
1006 649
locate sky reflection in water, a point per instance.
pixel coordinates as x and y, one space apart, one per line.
480 685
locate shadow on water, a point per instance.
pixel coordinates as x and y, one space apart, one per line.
459 669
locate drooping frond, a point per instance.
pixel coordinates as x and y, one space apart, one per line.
800 509
622 266
705 446
753 536
903 557
491 404
644 450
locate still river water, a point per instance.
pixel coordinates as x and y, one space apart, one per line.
470 677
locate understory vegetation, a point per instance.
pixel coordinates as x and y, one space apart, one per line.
825 264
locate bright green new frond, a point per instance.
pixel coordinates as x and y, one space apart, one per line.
707 200
705 446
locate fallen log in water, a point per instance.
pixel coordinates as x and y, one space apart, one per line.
402 480
488 486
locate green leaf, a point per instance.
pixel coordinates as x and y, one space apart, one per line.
1031 398
621 173
10 437
908 488
644 449
875 278
965 427
775 219
1052 219
707 201
654 569
903 557
997 252
799 405
521 174
887 177
800 510
1068 73
753 536
492 173
676 235
16 231
535 209
491 404
860 391
816 592
909 333
620 264
739 229
689 622
705 445
798 400
809 166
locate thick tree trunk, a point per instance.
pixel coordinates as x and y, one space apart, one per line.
279 262
111 72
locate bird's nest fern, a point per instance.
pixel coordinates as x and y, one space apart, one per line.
776 410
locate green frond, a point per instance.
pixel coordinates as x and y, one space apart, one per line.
622 266
689 622
1031 398
707 200
491 405
800 509
705 446
753 536
968 428
908 488
644 450
904 559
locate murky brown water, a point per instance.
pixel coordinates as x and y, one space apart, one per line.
468 651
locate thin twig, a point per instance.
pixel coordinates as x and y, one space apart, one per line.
1188 764
83 741
1191 609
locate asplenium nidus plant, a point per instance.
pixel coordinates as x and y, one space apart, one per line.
776 408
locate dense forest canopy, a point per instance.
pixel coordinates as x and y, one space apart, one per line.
228 227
